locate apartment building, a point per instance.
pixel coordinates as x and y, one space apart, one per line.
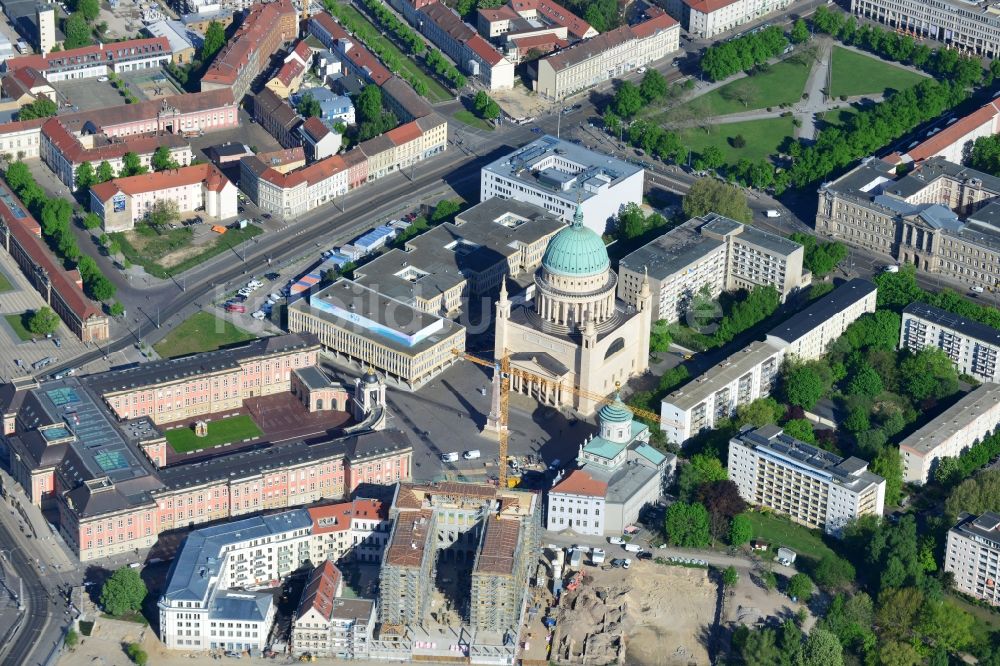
738 380
617 474
248 52
66 146
59 288
966 423
292 72
277 117
714 252
88 62
708 18
21 139
326 624
122 202
436 270
318 140
560 176
811 486
523 26
358 323
940 216
357 530
972 27
973 555
299 191
808 333
473 54
972 346
606 56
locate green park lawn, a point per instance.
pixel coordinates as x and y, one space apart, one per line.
18 323
839 117
779 531
854 73
784 83
223 431
5 284
435 91
472 120
200 332
763 137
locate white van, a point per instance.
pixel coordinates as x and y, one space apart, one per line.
632 547
472 455
770 212
616 541
977 289
449 457
891 268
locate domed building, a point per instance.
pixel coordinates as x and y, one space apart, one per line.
575 332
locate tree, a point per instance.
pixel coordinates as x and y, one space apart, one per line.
369 103
709 159
309 107
928 374
100 288
740 530
760 412
631 221
123 592
895 653
71 639
628 100
43 321
730 576
702 468
132 165
445 209
866 381
687 525
659 337
800 429
743 91
492 110
89 8
105 172
116 309
803 384
653 85
162 160
18 176
42 107
761 648
822 648
800 586
215 39
91 220
800 32
820 258
976 495
85 176
833 572
611 121
163 213
77 32
889 465
136 654
708 195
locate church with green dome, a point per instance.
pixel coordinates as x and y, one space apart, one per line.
572 330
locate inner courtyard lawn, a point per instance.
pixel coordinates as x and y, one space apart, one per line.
223 431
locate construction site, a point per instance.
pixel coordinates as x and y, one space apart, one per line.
650 614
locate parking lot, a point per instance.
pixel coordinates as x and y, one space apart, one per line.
86 95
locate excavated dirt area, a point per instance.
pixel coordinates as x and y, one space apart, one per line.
649 615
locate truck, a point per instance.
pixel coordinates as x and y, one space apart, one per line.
575 558
597 556
786 556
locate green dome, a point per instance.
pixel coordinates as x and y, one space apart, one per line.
576 250
615 412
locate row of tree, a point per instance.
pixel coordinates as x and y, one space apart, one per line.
820 258
55 216
78 26
485 106
743 53
444 69
87 175
942 63
897 290
389 21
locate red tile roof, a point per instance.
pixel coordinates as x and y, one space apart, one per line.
315 128
151 182
404 134
708 6
334 29
303 51
656 20
71 148
94 54
289 71
21 125
282 156
956 131
482 48
370 509
579 482
330 517
253 32
26 230
525 44
502 13
320 591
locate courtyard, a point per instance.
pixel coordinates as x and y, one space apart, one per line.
238 428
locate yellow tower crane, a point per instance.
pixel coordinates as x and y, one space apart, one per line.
506 372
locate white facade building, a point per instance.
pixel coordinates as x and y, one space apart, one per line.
708 18
967 26
558 175
619 473
813 487
973 556
714 252
740 379
972 346
970 420
329 625
807 334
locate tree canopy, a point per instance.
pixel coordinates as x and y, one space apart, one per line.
43 321
687 525
123 592
709 195
42 107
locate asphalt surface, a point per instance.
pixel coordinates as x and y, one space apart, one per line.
36 602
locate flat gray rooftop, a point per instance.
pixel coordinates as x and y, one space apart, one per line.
970 407
721 375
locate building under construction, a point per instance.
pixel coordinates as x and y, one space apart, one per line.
459 557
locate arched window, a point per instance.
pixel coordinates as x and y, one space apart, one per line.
615 347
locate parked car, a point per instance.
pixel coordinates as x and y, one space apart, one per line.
632 547
58 342
449 457
626 563
616 541
617 563
258 314
472 455
235 307
644 555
